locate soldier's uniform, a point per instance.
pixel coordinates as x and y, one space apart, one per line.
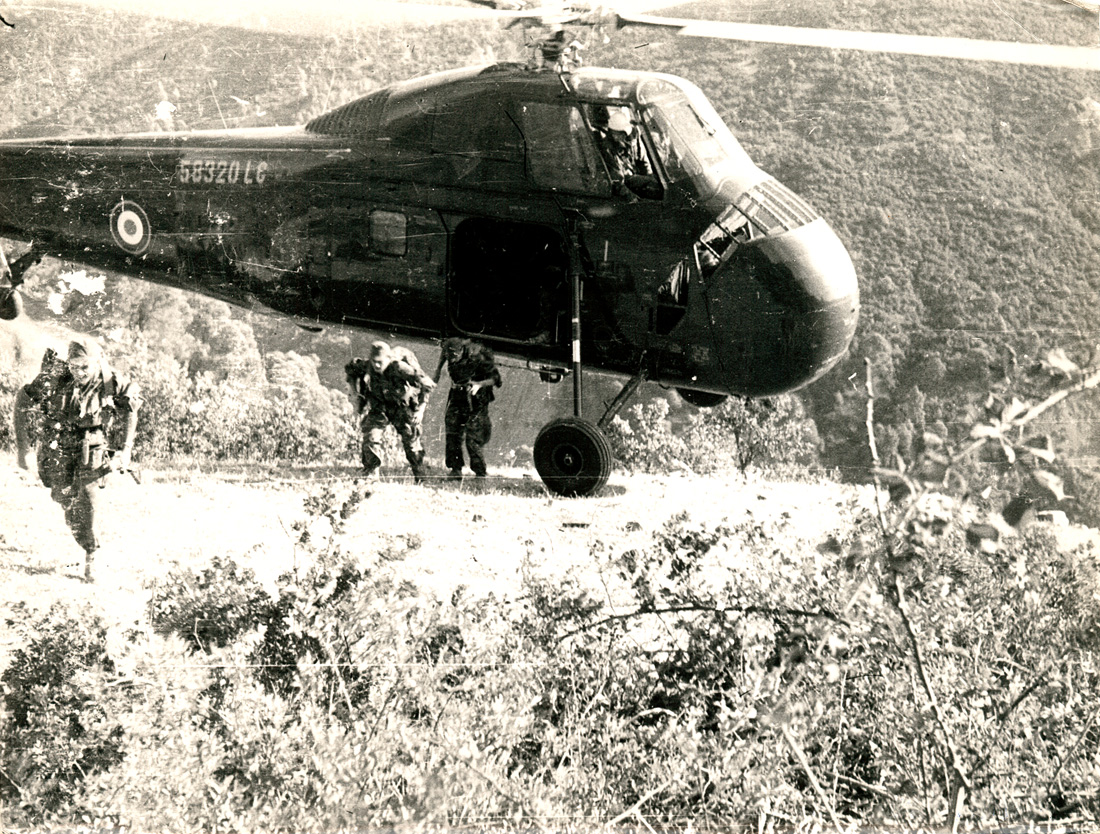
467 416
620 144
79 425
393 395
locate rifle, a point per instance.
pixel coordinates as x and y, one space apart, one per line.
110 465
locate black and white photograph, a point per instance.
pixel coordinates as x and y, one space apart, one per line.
517 416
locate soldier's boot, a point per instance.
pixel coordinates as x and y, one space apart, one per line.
455 475
419 470
89 558
371 466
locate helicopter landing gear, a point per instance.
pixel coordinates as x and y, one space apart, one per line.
11 302
572 455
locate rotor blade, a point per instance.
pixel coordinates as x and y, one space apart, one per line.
322 17
1086 5
1036 54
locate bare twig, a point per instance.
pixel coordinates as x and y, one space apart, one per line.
802 760
863 786
1076 744
635 809
959 778
875 464
679 609
330 658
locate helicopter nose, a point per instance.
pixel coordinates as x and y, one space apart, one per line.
792 311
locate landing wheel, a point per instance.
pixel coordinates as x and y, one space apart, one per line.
11 304
572 457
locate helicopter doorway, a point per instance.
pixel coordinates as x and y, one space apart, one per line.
509 280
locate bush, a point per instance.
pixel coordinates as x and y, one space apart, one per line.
210 608
899 674
55 730
734 436
647 442
9 384
755 432
236 419
722 675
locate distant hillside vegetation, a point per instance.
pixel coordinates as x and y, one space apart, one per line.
962 190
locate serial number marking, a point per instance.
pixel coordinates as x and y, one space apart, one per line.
221 172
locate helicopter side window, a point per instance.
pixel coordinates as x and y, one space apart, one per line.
560 153
720 239
477 126
388 235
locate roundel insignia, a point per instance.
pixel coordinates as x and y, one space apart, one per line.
130 227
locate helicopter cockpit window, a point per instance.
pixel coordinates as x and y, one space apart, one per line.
560 153
477 126
660 130
691 139
623 150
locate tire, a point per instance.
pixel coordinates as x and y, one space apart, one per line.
11 304
573 457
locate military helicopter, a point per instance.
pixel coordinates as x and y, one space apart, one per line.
480 202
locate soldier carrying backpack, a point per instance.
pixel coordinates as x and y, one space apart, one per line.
83 416
390 390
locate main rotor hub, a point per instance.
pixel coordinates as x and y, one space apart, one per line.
555 51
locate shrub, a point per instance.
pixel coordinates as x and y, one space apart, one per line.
734 436
647 441
210 608
55 730
9 384
755 432
198 410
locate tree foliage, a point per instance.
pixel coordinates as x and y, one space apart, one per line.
736 435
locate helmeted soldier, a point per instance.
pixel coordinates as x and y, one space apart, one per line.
474 375
390 390
86 415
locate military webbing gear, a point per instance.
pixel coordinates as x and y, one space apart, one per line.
394 396
80 425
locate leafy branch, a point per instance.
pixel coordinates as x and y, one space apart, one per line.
1004 426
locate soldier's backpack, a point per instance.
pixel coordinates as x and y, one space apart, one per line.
409 382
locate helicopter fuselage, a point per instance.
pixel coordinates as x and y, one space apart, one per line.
465 204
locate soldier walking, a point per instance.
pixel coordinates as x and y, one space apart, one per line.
390 390
474 375
86 416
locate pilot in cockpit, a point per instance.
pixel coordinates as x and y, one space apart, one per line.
620 144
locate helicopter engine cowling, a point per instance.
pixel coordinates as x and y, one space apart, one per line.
786 305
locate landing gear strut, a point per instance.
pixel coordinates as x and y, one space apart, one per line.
572 455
